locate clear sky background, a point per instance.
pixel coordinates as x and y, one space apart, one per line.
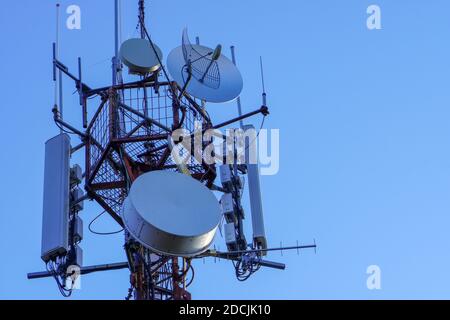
365 140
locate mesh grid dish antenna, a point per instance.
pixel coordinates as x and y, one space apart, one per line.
204 68
204 72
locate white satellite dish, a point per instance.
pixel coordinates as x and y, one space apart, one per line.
214 78
171 214
140 58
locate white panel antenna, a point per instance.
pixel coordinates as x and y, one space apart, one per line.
254 186
55 223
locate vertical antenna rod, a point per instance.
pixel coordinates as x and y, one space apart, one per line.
55 56
58 83
143 35
116 60
116 28
233 55
263 82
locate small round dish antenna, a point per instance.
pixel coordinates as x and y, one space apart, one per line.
171 214
140 58
204 72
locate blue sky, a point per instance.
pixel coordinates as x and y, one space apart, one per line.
365 157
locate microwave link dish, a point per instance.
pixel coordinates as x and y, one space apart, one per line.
172 214
205 73
140 58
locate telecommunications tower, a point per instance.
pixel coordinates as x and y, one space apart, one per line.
147 149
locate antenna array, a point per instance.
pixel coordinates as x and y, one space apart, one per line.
166 208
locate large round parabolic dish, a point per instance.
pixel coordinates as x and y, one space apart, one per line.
231 82
171 214
138 55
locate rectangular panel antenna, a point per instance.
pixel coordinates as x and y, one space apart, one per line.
254 186
55 222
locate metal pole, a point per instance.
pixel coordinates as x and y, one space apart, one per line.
116 65
55 52
233 55
61 99
58 83
116 62
263 110
84 270
141 274
142 17
142 24
116 43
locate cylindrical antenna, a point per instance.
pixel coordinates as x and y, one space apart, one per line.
264 95
120 21
233 56
197 41
116 41
116 65
116 28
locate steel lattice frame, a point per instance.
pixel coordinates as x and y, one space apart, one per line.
122 143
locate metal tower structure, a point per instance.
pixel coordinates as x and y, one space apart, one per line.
126 133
